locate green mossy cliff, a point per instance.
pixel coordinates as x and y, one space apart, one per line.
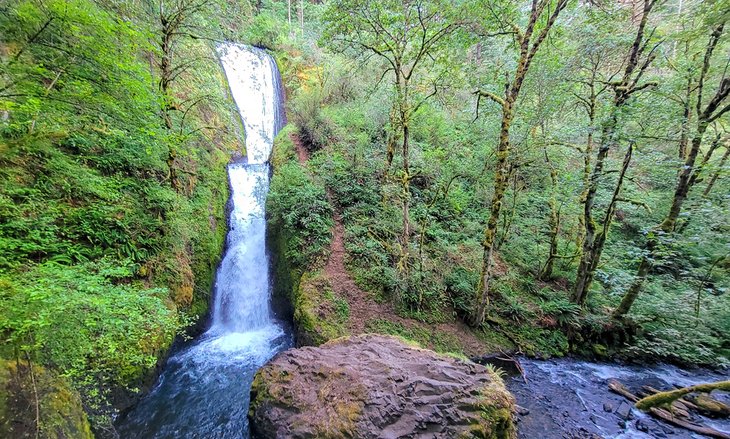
299 222
36 403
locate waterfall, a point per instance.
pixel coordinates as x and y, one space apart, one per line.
243 274
203 390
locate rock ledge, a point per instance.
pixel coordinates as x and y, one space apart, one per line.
375 386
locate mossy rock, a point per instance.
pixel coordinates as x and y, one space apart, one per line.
315 311
25 391
372 386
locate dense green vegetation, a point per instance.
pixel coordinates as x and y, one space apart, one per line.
597 178
112 189
553 173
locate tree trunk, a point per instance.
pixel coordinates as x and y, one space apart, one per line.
406 196
553 223
587 265
580 236
683 186
686 115
715 176
501 181
392 140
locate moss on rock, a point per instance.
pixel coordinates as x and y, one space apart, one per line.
372 386
29 390
315 312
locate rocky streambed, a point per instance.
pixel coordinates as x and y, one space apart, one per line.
567 398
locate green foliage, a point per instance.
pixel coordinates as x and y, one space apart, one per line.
460 284
263 31
315 128
562 310
89 321
430 338
299 206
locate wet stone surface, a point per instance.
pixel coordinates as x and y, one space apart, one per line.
569 399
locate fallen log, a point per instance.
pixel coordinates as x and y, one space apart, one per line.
666 398
688 405
707 431
678 407
665 415
622 390
709 406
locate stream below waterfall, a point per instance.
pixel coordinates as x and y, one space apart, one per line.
203 390
569 398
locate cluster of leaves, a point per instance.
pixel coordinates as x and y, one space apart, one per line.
298 206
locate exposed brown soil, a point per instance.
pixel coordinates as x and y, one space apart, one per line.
363 307
302 153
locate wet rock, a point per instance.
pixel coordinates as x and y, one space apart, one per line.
607 407
373 386
624 411
641 426
522 411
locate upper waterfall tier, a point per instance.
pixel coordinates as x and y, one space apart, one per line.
255 85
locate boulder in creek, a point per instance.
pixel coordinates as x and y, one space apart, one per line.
375 386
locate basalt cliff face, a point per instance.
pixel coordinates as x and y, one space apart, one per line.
374 386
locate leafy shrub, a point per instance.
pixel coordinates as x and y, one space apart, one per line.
315 128
461 284
562 310
88 321
300 207
263 31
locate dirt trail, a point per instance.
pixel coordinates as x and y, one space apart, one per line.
363 307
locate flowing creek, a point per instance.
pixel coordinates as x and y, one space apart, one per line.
569 398
203 390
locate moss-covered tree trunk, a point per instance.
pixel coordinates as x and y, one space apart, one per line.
529 45
553 222
501 181
590 103
595 237
716 174
687 175
592 240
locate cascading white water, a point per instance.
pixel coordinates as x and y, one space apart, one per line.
203 390
243 274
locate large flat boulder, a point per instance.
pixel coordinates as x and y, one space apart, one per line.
375 386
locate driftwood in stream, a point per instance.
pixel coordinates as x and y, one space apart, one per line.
663 398
504 361
666 415
709 406
702 403
687 405
678 407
